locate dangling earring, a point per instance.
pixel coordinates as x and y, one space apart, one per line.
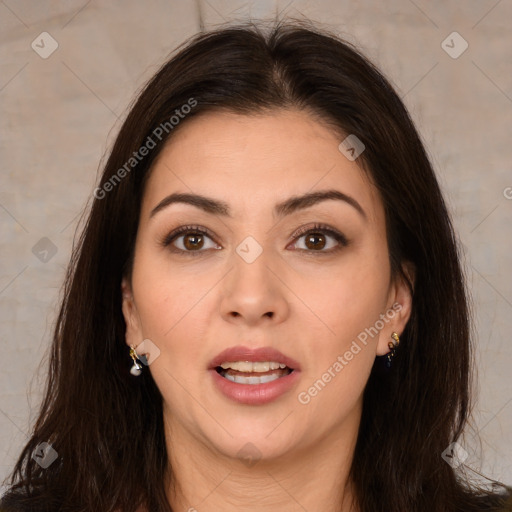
392 345
136 369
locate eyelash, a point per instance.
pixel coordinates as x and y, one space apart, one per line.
316 228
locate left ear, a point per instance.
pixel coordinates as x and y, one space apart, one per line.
399 307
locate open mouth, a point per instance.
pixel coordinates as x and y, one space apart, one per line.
253 373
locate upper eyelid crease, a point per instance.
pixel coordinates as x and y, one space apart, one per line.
287 207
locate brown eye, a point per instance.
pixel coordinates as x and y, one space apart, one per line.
189 240
320 239
315 241
193 241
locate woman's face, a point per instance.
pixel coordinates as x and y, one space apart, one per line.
309 278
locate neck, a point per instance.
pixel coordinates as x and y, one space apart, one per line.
313 478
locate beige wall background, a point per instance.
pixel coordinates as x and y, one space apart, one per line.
61 110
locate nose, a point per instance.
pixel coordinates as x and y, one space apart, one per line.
253 292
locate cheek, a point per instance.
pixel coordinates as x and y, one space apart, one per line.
340 357
167 296
347 303
175 308
351 297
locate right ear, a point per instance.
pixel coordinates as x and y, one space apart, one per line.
133 334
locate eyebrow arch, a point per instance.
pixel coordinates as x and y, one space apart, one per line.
287 207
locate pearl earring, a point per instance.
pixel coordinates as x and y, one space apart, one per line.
136 369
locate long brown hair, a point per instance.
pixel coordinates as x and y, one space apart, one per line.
107 427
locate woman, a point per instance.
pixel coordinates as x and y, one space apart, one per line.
265 310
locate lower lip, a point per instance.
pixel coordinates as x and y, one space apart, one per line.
254 394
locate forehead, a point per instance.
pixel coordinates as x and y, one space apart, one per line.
250 160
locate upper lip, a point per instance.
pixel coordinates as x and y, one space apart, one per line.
241 353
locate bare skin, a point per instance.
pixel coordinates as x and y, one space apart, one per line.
300 296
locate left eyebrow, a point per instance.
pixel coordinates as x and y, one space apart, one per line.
287 207
307 200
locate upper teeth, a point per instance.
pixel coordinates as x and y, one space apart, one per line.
249 366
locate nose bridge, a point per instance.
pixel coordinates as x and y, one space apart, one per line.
251 272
